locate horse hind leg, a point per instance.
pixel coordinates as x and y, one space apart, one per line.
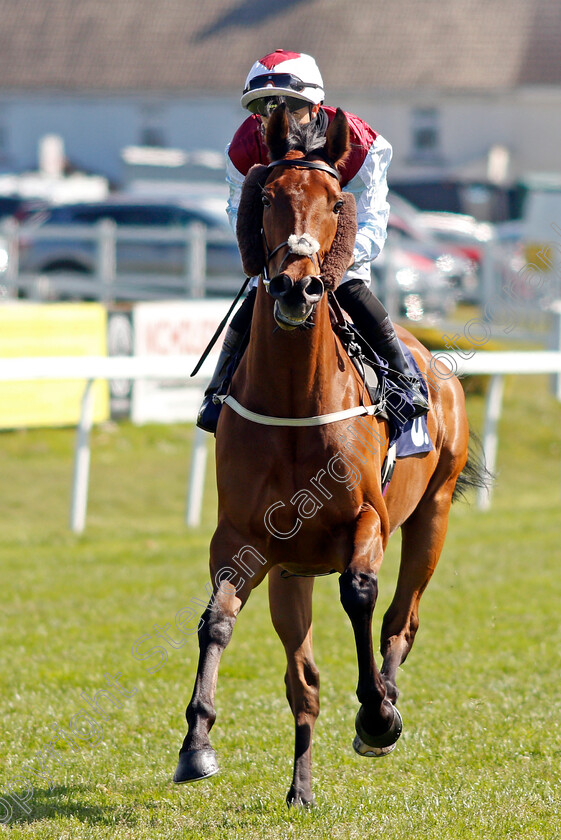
422 540
290 602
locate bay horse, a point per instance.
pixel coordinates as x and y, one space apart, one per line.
299 459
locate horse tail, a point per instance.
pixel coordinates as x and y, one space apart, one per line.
475 473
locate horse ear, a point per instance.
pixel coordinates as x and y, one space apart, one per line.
338 140
276 137
249 223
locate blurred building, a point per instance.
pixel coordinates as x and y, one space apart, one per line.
467 91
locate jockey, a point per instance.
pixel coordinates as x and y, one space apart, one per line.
294 78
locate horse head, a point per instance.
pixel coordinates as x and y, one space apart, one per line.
295 225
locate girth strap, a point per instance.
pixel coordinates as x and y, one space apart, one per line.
295 422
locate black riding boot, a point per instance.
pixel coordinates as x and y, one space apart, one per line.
232 347
371 319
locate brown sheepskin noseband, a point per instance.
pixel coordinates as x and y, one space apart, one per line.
250 238
250 221
338 257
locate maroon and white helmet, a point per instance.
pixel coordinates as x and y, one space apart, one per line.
283 73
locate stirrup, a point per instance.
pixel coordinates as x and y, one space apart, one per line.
209 412
419 401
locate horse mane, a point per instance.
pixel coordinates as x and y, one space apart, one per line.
305 138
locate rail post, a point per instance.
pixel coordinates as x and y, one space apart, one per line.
493 410
80 482
197 472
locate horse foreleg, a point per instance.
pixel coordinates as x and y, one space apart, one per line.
421 544
197 759
378 723
291 610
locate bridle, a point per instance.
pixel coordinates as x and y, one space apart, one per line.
301 163
297 163
270 254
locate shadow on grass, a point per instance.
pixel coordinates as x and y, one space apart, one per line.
66 803
70 801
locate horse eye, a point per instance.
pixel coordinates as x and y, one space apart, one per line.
265 200
338 206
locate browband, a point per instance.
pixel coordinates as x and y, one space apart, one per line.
306 164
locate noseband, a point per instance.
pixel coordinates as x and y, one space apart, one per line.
308 248
297 163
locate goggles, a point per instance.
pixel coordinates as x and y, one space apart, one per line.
265 105
279 80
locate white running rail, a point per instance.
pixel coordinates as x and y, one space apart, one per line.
90 368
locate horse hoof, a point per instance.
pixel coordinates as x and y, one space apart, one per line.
377 746
195 765
370 752
299 802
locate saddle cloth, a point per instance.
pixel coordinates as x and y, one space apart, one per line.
414 438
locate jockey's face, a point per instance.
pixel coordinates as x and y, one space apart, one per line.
302 115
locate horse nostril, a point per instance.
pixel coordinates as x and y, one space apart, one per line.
312 288
280 285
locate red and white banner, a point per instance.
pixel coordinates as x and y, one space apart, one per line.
170 329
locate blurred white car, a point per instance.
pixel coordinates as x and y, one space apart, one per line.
459 238
464 232
468 236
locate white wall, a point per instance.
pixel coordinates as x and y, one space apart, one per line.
95 129
526 121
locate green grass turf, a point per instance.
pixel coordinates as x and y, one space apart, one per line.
480 754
